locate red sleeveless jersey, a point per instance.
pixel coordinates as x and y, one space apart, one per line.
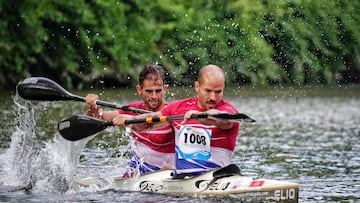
220 138
160 139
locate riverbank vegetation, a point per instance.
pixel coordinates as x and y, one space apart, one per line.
99 43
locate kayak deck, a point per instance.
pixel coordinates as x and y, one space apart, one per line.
210 183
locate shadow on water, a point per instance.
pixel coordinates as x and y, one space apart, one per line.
305 136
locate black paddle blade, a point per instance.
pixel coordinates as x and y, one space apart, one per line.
79 127
43 89
238 116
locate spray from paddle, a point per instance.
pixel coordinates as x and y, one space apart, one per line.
32 164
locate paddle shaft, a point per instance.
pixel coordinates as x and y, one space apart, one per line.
220 116
156 119
108 104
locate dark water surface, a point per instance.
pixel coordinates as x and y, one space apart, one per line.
309 136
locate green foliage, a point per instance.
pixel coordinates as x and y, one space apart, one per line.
256 42
314 40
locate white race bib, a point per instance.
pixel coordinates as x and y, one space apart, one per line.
193 143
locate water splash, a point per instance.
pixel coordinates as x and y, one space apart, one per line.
22 147
35 165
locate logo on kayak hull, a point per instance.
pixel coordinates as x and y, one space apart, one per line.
203 184
149 186
284 194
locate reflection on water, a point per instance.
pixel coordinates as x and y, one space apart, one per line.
310 140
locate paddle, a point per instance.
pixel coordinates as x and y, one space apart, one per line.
80 126
44 89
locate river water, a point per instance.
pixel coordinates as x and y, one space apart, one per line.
309 136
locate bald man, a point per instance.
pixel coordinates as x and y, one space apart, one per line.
201 144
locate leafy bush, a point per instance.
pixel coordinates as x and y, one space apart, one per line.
255 42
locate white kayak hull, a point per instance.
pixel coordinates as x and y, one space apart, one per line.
244 187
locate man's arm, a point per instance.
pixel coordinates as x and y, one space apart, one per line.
95 110
120 119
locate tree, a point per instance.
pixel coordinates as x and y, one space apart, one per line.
260 42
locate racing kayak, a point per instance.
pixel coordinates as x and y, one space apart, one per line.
224 181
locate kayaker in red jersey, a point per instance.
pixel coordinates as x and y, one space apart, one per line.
201 144
151 150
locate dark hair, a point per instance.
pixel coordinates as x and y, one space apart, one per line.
157 72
